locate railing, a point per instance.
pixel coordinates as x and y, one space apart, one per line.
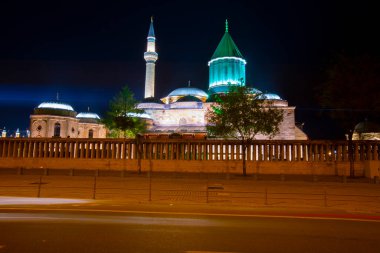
185 149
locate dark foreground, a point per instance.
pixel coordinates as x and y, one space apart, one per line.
95 232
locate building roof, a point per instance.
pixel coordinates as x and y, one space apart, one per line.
226 47
54 108
87 115
367 127
271 96
56 105
188 91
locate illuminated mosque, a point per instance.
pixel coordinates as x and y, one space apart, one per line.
183 111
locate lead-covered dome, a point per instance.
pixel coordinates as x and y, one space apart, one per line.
88 117
367 127
271 96
185 92
56 105
55 108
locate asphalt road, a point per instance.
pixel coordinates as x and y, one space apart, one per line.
70 231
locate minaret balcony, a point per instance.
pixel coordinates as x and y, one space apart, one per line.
150 56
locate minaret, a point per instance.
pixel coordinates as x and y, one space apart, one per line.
150 57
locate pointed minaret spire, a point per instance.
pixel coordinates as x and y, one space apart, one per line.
57 96
189 83
150 57
226 26
151 29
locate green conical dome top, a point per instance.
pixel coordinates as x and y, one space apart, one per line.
227 47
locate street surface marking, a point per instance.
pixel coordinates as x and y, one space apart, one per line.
200 214
209 252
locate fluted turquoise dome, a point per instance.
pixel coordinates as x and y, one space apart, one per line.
227 65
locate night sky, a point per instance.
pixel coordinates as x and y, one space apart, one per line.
88 50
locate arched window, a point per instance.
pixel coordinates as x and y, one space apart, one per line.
57 130
90 133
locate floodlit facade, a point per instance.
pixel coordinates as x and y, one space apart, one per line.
59 120
183 111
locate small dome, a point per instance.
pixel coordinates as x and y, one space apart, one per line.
56 105
255 91
367 127
271 96
87 115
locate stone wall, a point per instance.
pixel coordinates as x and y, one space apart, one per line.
232 167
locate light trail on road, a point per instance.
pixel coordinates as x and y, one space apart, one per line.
62 231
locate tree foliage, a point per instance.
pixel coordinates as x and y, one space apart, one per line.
351 91
121 118
241 114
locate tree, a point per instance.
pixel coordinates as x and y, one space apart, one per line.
122 117
351 91
241 114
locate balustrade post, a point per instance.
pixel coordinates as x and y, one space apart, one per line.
357 156
339 153
369 151
375 152
292 152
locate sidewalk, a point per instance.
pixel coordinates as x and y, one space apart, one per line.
177 189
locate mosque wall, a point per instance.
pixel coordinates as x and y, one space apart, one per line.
178 117
173 117
98 130
44 126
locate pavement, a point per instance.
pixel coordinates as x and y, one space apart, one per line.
327 197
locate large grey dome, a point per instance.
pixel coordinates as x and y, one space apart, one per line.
184 92
188 91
